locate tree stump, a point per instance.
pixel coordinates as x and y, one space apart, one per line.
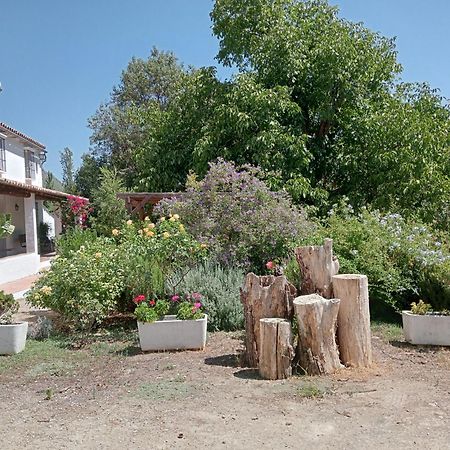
353 320
264 297
276 351
317 267
317 319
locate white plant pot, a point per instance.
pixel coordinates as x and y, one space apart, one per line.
173 334
13 338
427 329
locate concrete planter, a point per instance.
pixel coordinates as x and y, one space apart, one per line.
427 329
13 338
173 334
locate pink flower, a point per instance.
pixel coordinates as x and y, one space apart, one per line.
152 302
175 298
270 265
139 299
197 305
196 296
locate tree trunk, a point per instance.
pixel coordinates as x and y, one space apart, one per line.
353 320
317 318
317 267
264 297
276 351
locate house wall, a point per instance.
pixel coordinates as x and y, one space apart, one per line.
15 162
19 266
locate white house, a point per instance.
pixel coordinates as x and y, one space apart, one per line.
22 196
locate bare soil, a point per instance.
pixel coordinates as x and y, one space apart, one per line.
112 397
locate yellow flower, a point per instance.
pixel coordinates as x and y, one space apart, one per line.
162 219
129 222
149 233
203 245
181 227
147 219
176 216
98 255
172 219
115 232
47 290
166 234
151 225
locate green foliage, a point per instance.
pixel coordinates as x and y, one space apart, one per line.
144 275
6 227
399 256
238 217
220 290
110 211
145 313
68 172
8 307
83 287
188 312
87 177
292 272
420 308
73 239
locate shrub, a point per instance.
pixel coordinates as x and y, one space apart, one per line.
403 259
8 307
220 289
238 217
83 287
73 239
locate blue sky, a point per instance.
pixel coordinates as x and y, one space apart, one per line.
59 60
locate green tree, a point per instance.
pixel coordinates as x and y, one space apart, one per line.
109 211
66 159
87 177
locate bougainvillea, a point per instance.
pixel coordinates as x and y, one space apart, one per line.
76 211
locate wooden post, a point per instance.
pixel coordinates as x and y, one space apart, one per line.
317 350
276 351
317 267
353 320
263 297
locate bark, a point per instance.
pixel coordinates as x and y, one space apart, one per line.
353 320
276 350
317 319
317 267
264 297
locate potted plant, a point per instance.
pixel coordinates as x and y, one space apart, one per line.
178 323
6 227
12 335
423 326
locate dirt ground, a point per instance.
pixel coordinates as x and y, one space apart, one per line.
119 398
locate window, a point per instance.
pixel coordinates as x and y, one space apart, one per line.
29 164
2 155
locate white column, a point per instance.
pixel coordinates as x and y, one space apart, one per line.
30 224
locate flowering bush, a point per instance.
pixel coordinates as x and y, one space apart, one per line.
157 255
85 286
76 211
188 307
403 259
238 217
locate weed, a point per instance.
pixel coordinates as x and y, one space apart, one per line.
387 331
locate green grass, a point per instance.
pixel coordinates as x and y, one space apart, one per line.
63 354
311 390
173 389
387 331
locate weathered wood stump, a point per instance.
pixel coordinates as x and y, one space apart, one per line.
353 319
264 297
317 319
276 351
317 267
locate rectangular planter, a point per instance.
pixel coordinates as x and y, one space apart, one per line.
173 334
427 329
13 338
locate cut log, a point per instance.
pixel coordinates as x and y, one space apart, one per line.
276 352
264 297
353 319
317 267
317 318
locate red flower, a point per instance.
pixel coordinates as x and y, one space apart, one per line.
152 302
139 299
270 265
